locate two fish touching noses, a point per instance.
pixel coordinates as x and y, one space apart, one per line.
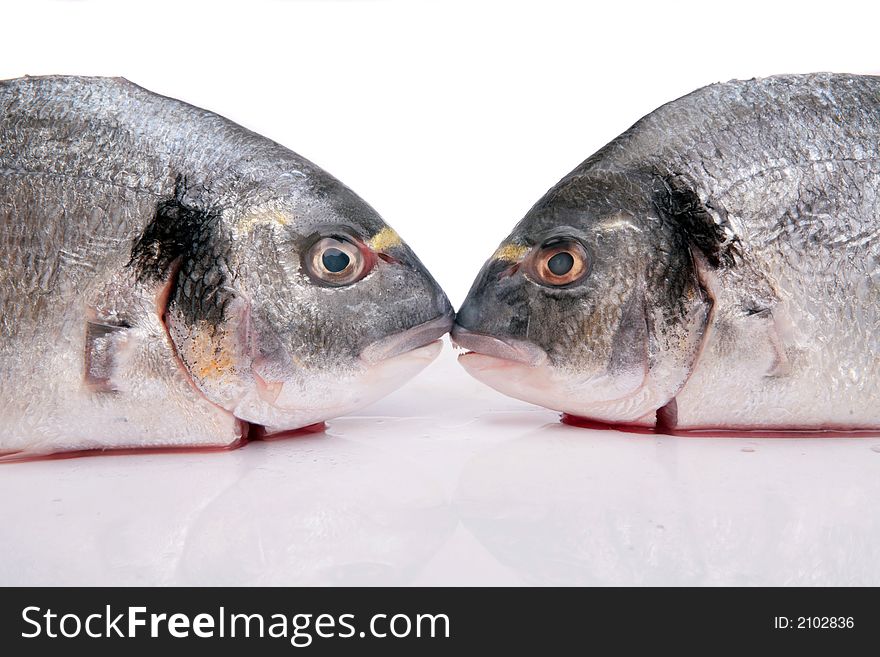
170 279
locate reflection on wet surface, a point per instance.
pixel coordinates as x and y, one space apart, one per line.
465 486
559 507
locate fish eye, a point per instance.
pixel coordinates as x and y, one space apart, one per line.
560 262
336 261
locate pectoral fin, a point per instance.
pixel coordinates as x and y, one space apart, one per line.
767 328
103 348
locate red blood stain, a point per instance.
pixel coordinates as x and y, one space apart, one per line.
723 432
250 433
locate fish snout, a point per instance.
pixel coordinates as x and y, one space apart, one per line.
422 297
420 279
408 340
484 326
508 349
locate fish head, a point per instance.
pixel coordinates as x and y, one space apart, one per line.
308 306
591 306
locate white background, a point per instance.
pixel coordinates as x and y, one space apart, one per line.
451 119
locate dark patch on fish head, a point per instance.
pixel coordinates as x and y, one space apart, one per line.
185 244
703 224
187 251
610 327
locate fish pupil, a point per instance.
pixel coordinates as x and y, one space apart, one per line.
335 260
561 263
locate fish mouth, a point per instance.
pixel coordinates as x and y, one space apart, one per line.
408 340
508 349
385 365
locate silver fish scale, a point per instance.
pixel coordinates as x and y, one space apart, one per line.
91 356
795 163
730 244
124 135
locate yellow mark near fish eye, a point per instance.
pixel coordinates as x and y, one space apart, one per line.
267 217
511 252
384 239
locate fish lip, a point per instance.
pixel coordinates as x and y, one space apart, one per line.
518 351
407 340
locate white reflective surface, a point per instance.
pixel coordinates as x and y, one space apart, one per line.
448 482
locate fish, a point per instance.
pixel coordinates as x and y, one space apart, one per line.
170 279
716 267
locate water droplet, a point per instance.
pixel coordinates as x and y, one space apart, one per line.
747 449
875 448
